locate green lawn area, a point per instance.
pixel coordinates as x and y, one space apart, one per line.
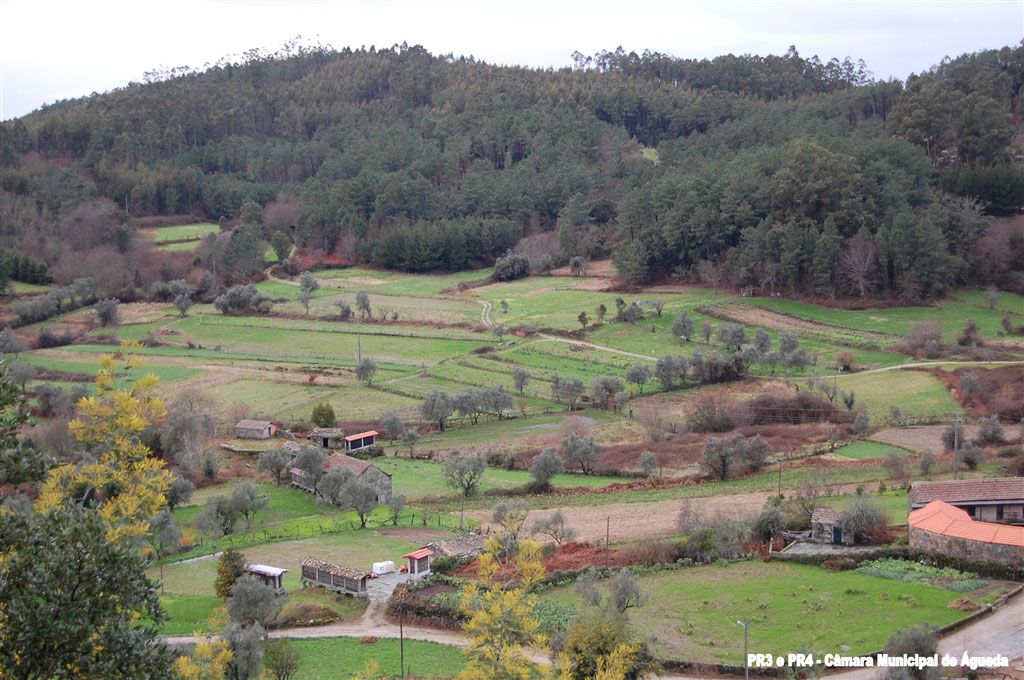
892 502
915 392
424 478
301 343
333 658
867 449
188 614
22 288
181 231
397 283
692 613
951 312
166 373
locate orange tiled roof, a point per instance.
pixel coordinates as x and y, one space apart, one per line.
967 490
361 435
939 517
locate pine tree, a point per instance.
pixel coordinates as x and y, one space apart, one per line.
230 566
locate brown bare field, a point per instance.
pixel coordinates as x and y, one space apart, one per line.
928 438
603 268
634 521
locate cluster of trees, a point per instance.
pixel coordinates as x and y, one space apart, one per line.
18 267
242 299
471 403
773 169
54 302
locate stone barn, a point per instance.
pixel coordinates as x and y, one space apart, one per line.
827 527
362 470
255 429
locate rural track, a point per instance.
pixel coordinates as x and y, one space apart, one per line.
590 345
485 313
926 364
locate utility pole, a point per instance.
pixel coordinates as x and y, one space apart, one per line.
746 666
401 641
359 341
956 446
780 478
607 536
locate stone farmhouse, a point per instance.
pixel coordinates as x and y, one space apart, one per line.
942 528
361 469
988 500
255 429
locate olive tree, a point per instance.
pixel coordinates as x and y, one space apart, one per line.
462 473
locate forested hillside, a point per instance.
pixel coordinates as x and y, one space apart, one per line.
783 173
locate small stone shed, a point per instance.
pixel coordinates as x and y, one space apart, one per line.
327 437
334 577
419 561
255 429
827 527
362 470
272 576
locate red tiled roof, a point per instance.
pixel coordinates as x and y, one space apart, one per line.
828 516
942 518
361 435
968 490
417 554
340 460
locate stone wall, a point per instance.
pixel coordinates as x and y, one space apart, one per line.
980 551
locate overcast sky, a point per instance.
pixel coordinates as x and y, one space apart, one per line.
56 50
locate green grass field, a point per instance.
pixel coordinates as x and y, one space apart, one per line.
692 613
341 657
892 502
952 313
22 288
915 392
424 478
181 231
860 450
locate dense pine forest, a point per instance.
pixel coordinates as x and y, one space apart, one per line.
782 173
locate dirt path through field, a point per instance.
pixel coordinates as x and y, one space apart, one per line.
630 521
590 345
485 313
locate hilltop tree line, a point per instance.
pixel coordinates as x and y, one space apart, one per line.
775 171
